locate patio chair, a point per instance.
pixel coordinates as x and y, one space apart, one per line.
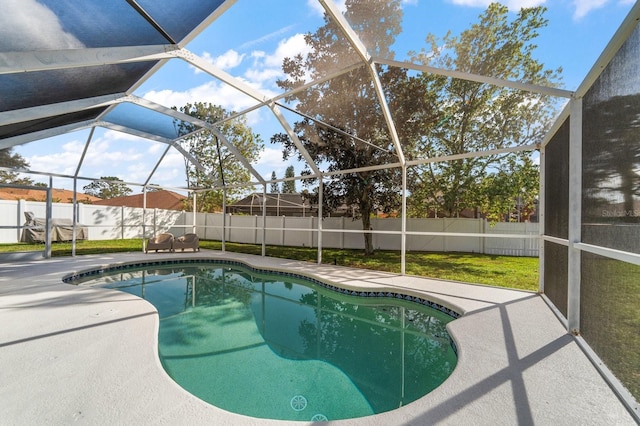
162 241
187 241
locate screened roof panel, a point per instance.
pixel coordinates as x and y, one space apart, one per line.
95 23
25 90
145 120
32 126
179 25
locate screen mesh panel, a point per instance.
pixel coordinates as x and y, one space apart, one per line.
25 90
611 153
31 126
555 275
179 25
557 183
609 315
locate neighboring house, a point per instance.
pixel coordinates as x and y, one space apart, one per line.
57 195
286 204
167 200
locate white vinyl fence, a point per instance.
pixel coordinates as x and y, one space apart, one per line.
438 235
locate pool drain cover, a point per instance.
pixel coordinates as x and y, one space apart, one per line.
319 418
298 403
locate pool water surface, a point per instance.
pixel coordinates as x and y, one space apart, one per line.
276 347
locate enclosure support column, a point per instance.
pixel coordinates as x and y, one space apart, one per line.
122 222
144 211
47 235
320 201
224 218
74 216
575 215
75 192
264 220
541 219
403 243
194 213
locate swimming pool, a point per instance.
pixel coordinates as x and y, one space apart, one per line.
274 345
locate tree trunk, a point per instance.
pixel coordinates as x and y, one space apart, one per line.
368 237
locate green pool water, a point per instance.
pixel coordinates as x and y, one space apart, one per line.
275 347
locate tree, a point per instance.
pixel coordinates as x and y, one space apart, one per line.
510 194
289 186
358 135
13 160
107 187
275 188
474 117
219 165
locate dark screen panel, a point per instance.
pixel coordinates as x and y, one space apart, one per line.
31 126
100 23
179 25
556 181
611 153
556 260
609 315
25 90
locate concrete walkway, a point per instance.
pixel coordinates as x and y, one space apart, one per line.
89 355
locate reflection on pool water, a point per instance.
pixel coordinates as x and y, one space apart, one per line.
276 347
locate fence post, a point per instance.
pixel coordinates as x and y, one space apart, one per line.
483 240
282 224
21 209
445 239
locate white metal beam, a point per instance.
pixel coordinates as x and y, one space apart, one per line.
361 49
50 110
149 136
43 60
622 34
243 87
543 90
43 134
575 216
197 122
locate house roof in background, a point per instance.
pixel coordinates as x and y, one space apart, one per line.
57 195
164 199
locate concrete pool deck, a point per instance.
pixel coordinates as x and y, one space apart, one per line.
89 355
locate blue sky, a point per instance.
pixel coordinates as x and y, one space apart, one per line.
250 40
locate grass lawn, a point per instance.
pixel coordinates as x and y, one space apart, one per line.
502 271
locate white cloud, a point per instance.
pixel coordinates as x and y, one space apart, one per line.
213 92
317 8
288 48
261 75
271 158
584 7
111 154
228 60
31 26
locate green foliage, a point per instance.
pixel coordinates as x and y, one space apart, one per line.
349 104
217 165
13 160
510 194
275 188
500 271
289 186
473 117
107 187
